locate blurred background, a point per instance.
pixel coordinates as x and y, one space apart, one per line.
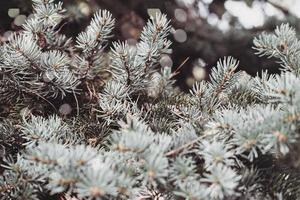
203 30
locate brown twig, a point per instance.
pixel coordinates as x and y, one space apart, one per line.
188 145
179 67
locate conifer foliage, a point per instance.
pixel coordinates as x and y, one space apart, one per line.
83 120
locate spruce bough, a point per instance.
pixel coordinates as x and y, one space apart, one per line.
91 122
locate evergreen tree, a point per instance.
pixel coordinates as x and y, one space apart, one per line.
93 122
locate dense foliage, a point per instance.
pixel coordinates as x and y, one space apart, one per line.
84 120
